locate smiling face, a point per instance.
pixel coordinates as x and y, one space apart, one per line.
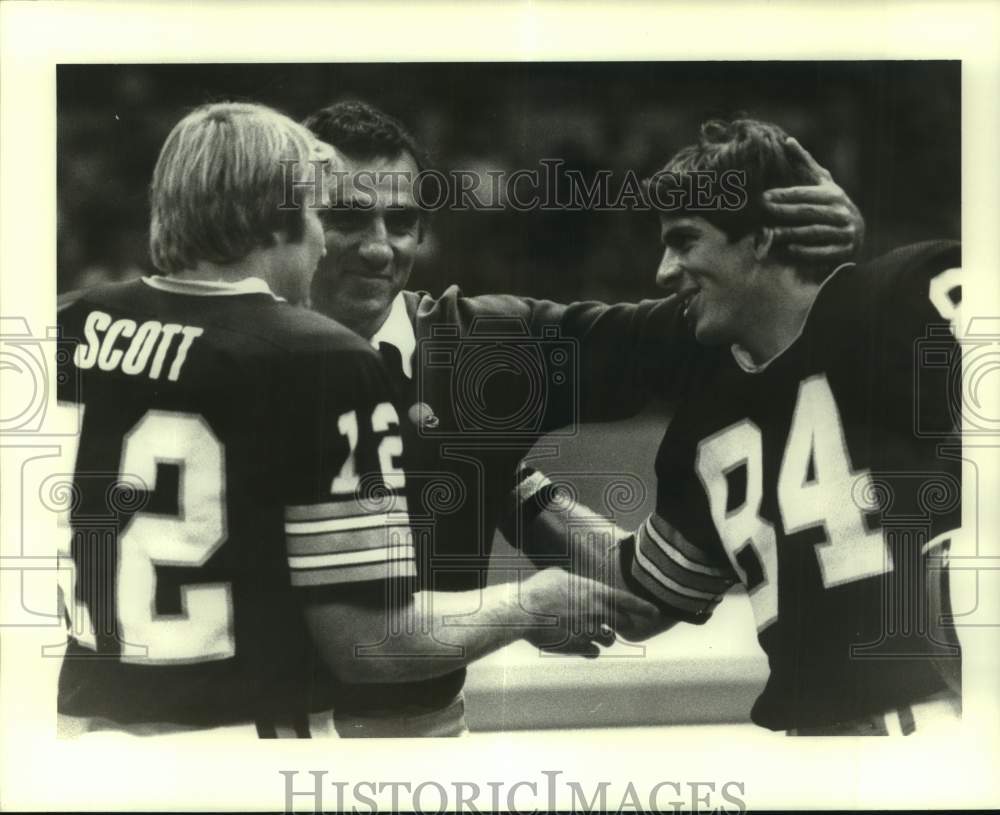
715 278
372 232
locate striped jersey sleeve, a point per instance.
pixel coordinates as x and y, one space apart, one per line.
349 541
346 518
679 576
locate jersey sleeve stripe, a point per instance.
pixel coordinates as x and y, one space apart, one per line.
654 552
530 485
669 583
667 591
678 542
346 508
397 551
350 540
671 545
384 570
355 522
941 541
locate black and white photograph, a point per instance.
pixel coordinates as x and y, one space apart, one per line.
623 426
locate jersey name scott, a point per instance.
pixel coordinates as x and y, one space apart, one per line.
145 352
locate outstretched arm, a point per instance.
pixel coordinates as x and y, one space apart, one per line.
549 528
351 557
379 637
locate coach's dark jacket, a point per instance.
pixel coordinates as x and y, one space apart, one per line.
491 375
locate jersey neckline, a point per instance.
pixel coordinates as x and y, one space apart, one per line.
742 356
211 288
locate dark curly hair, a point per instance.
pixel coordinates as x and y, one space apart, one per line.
363 131
756 153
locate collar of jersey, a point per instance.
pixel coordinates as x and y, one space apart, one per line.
211 288
742 356
397 330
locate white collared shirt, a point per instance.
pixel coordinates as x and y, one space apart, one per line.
397 330
208 288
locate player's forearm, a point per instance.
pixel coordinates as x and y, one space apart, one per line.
368 636
454 629
432 634
582 541
633 627
551 529
598 556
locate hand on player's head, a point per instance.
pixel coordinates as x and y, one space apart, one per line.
815 223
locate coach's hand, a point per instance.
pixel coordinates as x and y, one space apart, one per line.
580 614
817 223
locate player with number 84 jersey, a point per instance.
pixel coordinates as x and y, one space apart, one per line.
810 481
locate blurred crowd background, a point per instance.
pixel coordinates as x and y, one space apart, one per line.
890 132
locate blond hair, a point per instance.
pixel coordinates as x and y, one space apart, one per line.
224 184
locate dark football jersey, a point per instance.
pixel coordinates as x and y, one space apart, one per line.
496 373
827 482
228 442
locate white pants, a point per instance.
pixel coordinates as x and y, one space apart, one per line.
939 712
96 728
412 722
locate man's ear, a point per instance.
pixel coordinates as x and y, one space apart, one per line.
763 240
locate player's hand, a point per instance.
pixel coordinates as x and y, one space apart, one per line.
588 646
815 223
638 629
581 613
